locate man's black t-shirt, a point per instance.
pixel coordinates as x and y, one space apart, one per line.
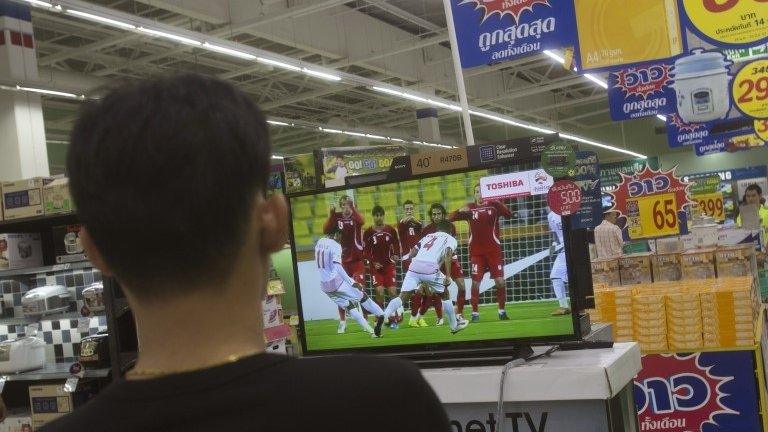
269 393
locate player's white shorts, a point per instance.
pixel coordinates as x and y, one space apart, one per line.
559 268
345 295
434 281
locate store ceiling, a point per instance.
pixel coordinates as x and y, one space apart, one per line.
401 42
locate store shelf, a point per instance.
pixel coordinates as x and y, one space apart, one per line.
36 220
45 269
38 318
55 372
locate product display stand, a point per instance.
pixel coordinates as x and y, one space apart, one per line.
570 390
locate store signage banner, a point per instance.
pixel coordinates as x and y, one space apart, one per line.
610 173
726 23
704 391
495 31
641 91
513 185
711 137
341 162
587 178
750 89
652 201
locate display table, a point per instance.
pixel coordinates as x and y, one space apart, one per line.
568 391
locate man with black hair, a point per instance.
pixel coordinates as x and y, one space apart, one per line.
169 176
382 249
339 287
431 266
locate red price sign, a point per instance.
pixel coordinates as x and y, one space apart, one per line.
750 89
564 197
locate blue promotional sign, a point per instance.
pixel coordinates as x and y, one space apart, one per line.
703 391
587 177
680 134
495 31
641 91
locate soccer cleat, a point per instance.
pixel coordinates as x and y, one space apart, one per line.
393 325
503 316
413 322
423 322
475 317
377 329
460 326
460 319
342 327
440 322
561 311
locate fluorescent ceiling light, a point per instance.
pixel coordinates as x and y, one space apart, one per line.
101 19
395 139
379 137
322 75
415 98
357 134
661 117
278 157
512 122
597 144
171 36
278 123
39 3
334 131
47 92
596 80
232 52
555 56
278 64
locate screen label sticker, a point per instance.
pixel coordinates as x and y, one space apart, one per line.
443 160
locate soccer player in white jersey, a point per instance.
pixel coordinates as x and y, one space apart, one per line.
432 254
559 273
339 287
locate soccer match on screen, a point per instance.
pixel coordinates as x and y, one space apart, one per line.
430 261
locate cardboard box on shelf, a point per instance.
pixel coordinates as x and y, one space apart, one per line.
734 261
17 423
67 245
48 403
635 269
698 264
23 198
606 272
667 267
56 197
20 250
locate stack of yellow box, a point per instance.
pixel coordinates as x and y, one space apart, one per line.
614 306
729 311
649 318
684 321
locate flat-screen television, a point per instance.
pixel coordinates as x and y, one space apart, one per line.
503 228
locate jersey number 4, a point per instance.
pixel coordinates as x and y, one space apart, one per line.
428 245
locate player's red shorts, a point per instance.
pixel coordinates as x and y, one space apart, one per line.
356 270
489 262
384 277
456 269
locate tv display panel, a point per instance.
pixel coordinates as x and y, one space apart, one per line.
532 260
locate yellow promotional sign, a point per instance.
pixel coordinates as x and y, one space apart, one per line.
652 216
750 89
616 32
736 22
711 205
761 129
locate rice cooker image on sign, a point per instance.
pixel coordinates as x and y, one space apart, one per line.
701 84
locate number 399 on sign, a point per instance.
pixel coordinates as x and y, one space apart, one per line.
656 216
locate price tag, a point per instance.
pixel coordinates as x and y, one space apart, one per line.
442 160
652 216
83 324
711 205
71 385
564 197
735 22
761 129
750 89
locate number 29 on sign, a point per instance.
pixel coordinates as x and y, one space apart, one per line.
658 216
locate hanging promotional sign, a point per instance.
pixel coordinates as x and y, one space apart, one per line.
652 202
705 192
750 89
300 174
587 177
338 163
517 184
559 159
641 91
704 391
610 173
710 137
495 31
727 23
564 197
761 129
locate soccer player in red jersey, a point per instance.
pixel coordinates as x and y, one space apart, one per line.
382 250
409 231
351 224
485 247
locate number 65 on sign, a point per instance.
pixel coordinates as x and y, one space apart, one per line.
656 216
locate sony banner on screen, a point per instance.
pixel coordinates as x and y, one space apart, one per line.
705 391
495 31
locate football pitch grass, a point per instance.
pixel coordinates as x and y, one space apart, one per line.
529 319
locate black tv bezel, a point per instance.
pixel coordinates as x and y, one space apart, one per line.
436 349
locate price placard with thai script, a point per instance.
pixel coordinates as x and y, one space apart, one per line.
652 216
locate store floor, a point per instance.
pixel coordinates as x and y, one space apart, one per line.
525 319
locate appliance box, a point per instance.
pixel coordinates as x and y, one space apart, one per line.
48 403
21 422
94 351
272 312
66 244
94 297
56 197
46 300
23 198
20 250
21 355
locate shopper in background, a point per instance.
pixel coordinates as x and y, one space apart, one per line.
753 195
608 238
169 176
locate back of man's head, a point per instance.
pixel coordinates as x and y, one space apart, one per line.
164 174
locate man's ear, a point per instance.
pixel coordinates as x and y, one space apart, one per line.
273 214
94 255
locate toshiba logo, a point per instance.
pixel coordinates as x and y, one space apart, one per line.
504 184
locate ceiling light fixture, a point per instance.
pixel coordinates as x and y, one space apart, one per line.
511 122
48 92
555 56
278 157
101 19
278 123
597 144
322 75
171 36
39 3
232 52
278 64
596 80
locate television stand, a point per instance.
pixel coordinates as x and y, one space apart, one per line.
468 358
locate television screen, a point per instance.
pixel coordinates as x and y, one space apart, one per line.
355 259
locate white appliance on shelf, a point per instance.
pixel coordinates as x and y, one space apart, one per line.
45 300
23 354
94 297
